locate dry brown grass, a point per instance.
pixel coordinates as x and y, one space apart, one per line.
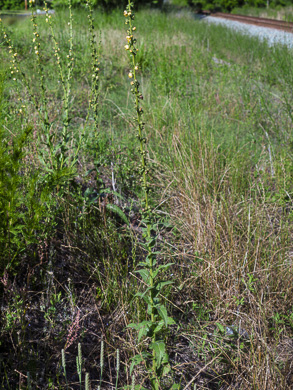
236 264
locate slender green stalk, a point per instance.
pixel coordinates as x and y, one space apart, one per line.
94 98
42 109
87 381
65 78
64 366
101 362
133 382
29 383
147 212
149 273
117 368
70 62
79 364
15 71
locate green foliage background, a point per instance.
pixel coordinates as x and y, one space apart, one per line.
105 4
11 4
229 5
198 5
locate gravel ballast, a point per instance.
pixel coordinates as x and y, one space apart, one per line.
272 36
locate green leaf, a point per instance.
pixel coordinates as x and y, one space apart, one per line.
163 313
133 326
171 321
221 327
160 268
108 191
151 243
137 359
142 332
139 325
159 327
159 285
136 387
143 328
116 210
142 264
144 273
175 386
160 350
143 294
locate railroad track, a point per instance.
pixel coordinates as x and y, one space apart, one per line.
262 22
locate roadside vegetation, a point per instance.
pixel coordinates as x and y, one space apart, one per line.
146 184
254 6
279 13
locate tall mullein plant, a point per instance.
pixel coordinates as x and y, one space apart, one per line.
42 108
65 71
153 329
94 98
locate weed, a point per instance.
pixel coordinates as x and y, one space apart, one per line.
150 273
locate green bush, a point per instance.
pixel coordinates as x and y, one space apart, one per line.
229 5
11 4
215 5
107 5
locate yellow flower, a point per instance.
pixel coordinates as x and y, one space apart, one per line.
125 13
133 28
130 75
136 67
126 47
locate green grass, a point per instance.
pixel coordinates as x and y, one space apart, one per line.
218 113
280 13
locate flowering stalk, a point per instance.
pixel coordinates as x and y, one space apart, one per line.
73 332
18 75
37 46
159 319
15 71
94 99
65 78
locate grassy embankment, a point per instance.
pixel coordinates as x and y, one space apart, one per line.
279 13
218 113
